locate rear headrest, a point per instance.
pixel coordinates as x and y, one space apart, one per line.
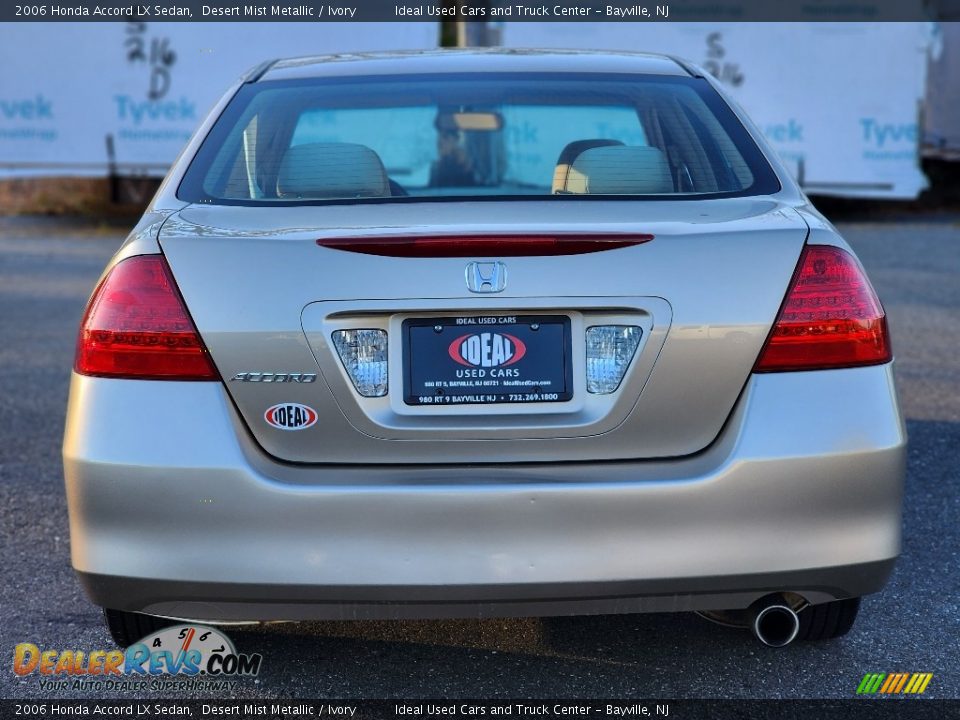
332 170
570 153
621 170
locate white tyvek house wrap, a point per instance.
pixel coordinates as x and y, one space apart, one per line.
69 85
843 98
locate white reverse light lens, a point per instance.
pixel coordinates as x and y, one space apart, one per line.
364 355
610 349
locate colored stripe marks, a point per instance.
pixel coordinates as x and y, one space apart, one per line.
894 683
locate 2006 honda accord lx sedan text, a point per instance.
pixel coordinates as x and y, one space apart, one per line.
483 333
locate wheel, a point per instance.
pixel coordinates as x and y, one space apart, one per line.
128 627
828 620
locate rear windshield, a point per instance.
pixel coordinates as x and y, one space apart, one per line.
491 135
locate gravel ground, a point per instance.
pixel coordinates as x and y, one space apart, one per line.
48 268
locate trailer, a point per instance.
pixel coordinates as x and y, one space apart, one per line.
942 110
841 102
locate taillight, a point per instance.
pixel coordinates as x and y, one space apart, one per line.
136 326
831 317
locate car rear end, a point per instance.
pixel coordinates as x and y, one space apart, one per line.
490 339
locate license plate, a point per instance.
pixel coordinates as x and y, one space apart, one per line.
479 359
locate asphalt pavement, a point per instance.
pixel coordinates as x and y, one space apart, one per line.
47 269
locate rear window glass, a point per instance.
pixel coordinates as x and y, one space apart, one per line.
493 135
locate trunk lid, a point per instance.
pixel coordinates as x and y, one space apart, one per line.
267 299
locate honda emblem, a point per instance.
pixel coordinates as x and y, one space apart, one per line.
486 277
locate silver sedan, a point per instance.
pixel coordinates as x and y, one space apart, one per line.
483 333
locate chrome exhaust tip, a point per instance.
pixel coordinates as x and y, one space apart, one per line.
775 623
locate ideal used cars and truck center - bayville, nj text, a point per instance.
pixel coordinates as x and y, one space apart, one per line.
162 12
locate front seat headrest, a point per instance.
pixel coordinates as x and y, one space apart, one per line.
621 170
570 153
332 170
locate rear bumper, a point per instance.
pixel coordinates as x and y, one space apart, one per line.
184 516
245 602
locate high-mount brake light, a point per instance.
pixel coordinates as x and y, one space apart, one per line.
483 245
137 326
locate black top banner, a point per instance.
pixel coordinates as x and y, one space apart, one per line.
446 709
490 11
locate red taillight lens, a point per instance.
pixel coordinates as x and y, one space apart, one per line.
136 326
483 245
831 317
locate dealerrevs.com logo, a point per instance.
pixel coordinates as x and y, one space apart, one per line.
201 657
487 349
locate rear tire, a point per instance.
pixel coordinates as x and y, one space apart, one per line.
126 628
828 620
